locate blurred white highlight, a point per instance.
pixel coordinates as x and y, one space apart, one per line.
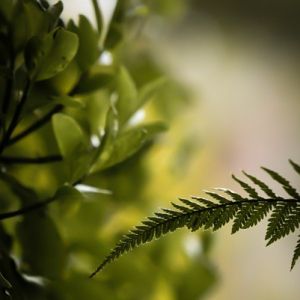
138 117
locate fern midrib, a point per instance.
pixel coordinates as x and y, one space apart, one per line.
217 206
186 214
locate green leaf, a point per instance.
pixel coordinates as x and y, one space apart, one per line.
47 56
114 36
126 144
149 90
28 20
88 51
127 101
96 78
64 82
42 249
69 200
69 135
53 13
73 145
37 19
68 101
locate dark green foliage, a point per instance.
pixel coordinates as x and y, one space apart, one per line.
65 123
204 213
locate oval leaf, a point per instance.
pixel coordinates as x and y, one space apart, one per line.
126 144
68 133
45 57
88 51
127 101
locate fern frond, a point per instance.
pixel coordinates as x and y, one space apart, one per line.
214 213
296 254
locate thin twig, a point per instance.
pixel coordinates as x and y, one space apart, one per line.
98 15
33 207
26 209
8 93
35 126
16 116
10 79
30 160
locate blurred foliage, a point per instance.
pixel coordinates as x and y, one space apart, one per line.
79 142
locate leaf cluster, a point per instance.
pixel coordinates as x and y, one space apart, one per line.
67 114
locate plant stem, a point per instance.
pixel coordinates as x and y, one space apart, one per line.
7 95
97 15
26 209
30 160
16 116
30 208
10 79
35 126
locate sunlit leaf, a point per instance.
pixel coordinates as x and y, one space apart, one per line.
64 82
149 90
47 56
127 98
69 136
126 144
68 101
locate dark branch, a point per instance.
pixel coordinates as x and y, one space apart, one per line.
35 126
26 209
7 96
30 160
16 116
10 79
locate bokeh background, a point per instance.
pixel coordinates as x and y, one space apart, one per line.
235 105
